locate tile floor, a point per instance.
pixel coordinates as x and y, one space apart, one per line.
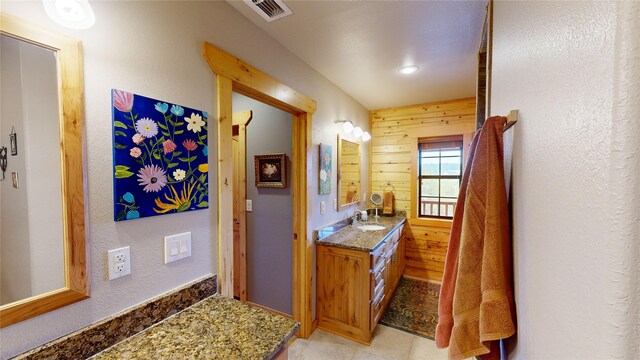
388 344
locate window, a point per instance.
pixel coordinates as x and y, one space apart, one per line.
439 175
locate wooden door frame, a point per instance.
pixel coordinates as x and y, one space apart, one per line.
233 74
241 119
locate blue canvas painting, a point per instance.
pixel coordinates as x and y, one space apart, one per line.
160 157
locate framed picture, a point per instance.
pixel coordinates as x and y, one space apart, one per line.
271 170
324 175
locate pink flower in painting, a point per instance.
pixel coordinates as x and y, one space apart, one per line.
137 138
152 177
135 152
189 144
168 146
122 100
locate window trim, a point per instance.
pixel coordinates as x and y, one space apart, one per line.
444 141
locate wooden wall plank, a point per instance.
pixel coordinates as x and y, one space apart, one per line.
395 134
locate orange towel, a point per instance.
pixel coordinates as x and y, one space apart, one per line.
352 195
387 202
445 302
482 302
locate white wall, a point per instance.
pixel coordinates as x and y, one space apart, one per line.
575 174
155 49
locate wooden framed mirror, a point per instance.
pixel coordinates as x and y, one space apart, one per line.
45 138
349 186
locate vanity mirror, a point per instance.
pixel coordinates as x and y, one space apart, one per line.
348 173
43 251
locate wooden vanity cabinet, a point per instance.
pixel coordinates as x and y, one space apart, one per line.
355 286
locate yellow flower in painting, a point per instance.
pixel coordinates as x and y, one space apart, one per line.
203 168
178 203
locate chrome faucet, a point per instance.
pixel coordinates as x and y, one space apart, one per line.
359 215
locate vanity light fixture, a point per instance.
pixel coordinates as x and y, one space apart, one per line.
357 132
408 69
366 136
72 14
347 125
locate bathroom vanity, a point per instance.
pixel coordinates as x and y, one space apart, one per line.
357 272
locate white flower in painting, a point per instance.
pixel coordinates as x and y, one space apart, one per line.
179 174
269 170
323 175
194 122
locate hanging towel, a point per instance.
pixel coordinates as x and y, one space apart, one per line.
445 302
483 309
351 194
387 203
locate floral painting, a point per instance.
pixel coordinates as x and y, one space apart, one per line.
324 179
160 157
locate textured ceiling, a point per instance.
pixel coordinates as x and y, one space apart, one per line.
358 45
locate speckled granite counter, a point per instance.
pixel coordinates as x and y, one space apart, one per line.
215 328
351 237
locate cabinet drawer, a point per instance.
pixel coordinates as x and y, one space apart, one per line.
394 237
377 258
377 282
376 310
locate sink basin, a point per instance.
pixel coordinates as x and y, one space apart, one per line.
370 227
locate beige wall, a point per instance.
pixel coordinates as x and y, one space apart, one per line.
572 71
155 49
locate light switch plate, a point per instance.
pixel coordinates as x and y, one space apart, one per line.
177 247
249 205
322 207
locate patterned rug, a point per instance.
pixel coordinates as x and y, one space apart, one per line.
414 308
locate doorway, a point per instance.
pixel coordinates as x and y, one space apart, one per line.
233 74
269 226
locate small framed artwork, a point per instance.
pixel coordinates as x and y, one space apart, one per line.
271 170
324 177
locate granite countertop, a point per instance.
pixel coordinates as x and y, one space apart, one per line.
215 328
350 237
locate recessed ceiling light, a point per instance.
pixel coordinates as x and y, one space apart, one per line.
408 69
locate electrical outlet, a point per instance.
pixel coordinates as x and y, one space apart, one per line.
119 262
321 207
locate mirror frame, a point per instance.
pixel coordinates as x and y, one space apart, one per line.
341 205
71 107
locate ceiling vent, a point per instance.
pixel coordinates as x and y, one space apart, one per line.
270 10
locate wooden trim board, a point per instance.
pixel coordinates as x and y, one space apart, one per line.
241 119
